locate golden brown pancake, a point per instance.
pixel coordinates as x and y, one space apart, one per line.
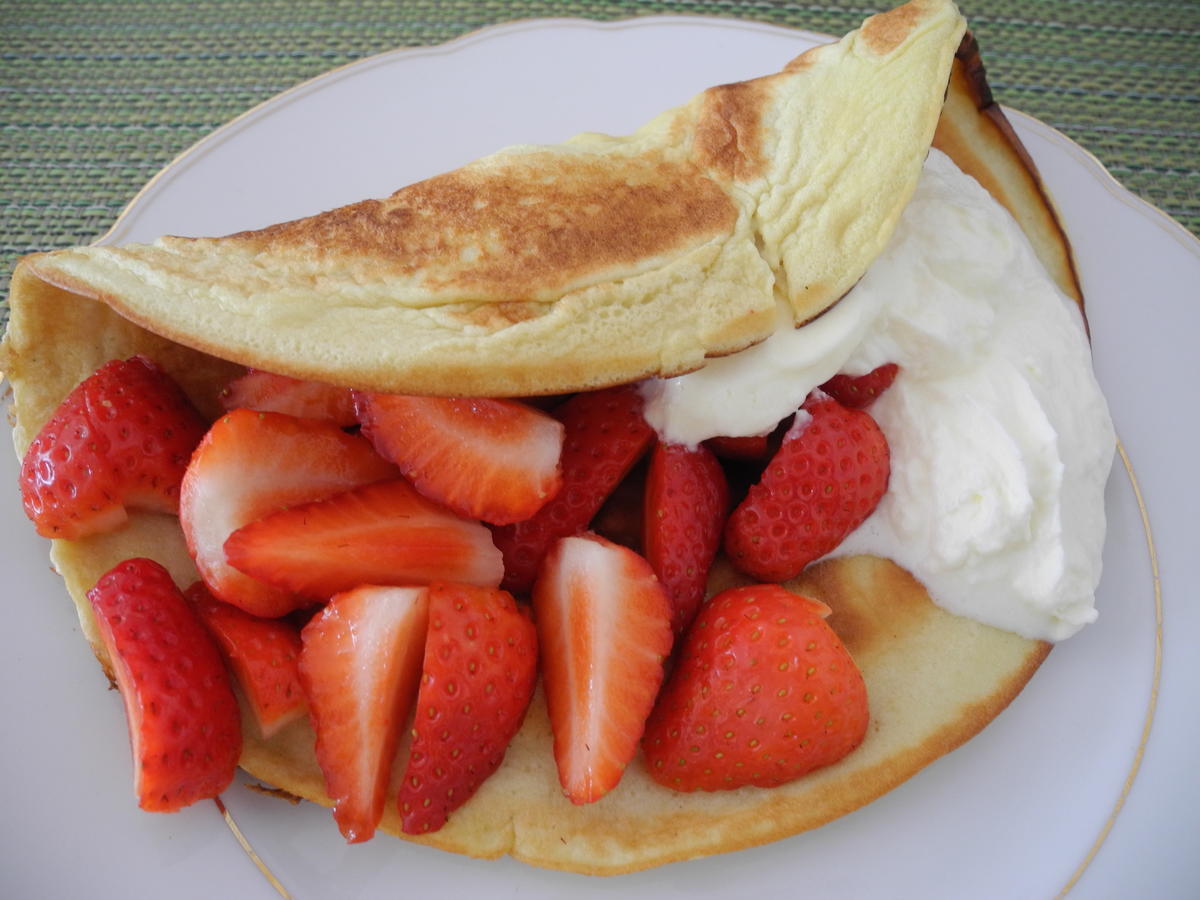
934 679
540 270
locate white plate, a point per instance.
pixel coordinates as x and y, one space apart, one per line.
1049 796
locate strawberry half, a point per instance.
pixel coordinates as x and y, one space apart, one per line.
120 440
253 463
477 679
268 392
184 725
686 502
495 460
264 655
605 436
360 662
825 479
860 391
604 629
383 534
763 692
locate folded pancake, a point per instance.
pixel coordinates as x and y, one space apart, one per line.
934 679
545 269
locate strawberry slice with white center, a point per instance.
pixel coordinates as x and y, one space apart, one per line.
383 534
478 676
120 440
253 463
360 663
184 726
495 460
268 392
604 629
605 436
264 655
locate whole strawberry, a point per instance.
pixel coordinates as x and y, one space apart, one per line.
686 501
763 693
184 725
476 682
827 476
122 438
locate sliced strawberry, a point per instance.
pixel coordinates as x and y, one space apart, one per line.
686 502
477 679
825 479
184 727
604 629
605 436
763 692
495 460
264 655
360 663
120 440
383 533
268 392
860 391
250 464
753 447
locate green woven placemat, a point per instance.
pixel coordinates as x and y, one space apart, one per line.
98 96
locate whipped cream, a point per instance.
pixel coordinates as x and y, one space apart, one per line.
1000 438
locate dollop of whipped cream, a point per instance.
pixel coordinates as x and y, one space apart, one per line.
1001 441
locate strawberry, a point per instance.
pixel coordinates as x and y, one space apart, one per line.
250 464
752 447
604 629
825 479
184 726
860 391
383 533
686 501
264 655
605 436
476 682
360 662
268 392
120 440
495 460
762 693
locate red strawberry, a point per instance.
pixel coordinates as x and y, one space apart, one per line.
825 479
754 447
264 655
384 534
762 693
120 440
268 392
359 665
860 391
604 629
686 502
605 436
495 460
184 725
250 464
478 676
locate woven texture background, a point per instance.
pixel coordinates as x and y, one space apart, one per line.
96 97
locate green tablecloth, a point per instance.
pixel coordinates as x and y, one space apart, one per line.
98 96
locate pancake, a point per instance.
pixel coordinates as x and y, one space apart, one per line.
934 679
546 269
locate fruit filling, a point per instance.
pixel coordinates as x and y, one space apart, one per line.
441 553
